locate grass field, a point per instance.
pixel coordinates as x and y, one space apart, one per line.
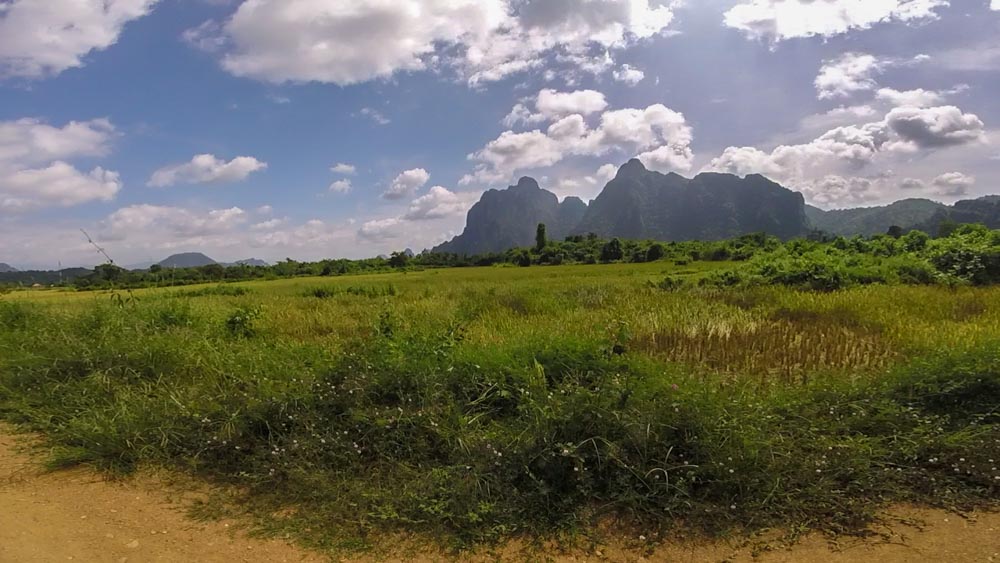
474 404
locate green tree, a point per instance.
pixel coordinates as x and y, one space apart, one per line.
213 271
915 241
612 251
654 252
895 231
109 272
540 238
399 260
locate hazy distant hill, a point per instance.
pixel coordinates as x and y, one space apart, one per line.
920 214
985 210
508 218
187 260
6 268
32 277
642 204
868 221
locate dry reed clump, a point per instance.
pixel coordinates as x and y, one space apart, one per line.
781 348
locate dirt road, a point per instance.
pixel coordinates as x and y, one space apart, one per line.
78 516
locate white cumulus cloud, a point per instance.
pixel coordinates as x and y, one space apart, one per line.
45 37
847 74
780 20
550 104
658 135
206 169
31 141
352 41
34 172
915 98
953 184
169 221
344 168
380 230
440 202
341 187
935 127
835 169
406 183
629 75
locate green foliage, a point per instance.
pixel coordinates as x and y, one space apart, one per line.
372 291
14 316
321 292
109 272
540 238
399 260
971 253
243 322
612 251
915 241
668 283
522 258
168 315
655 252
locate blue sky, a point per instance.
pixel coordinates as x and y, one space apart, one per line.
163 126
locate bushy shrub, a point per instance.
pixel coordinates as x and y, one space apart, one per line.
971 253
321 292
612 251
372 291
668 283
243 322
655 252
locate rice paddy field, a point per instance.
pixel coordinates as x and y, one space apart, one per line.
480 404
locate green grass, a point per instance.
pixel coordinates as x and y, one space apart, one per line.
471 405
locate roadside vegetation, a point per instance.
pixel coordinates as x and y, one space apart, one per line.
717 386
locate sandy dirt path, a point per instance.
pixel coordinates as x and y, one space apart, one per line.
76 515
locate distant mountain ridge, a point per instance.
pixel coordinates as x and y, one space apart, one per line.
908 214
508 218
985 210
197 260
644 204
869 221
636 204
7 268
186 260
